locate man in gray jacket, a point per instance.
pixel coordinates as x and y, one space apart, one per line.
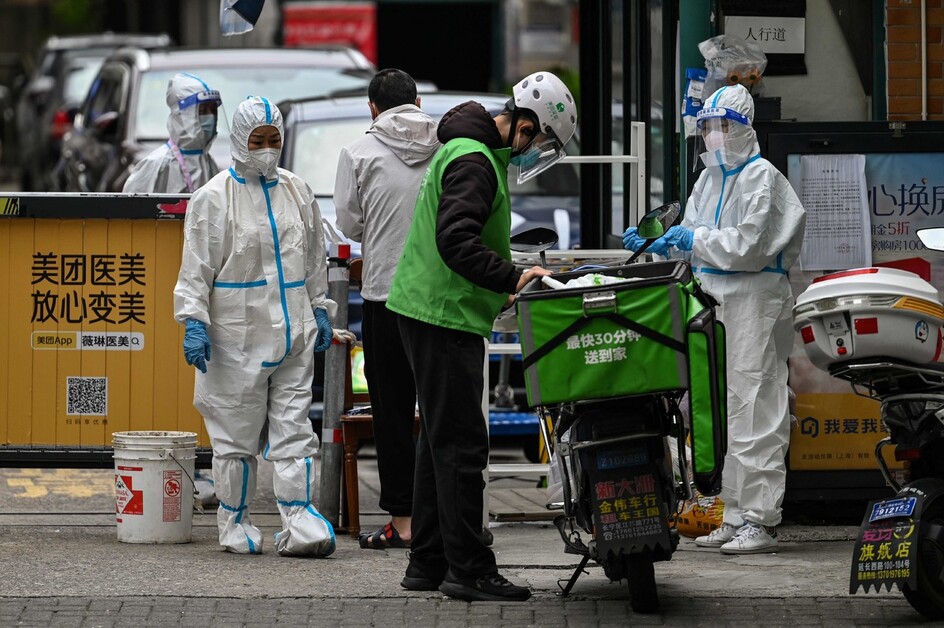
377 183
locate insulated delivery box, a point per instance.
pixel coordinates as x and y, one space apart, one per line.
654 331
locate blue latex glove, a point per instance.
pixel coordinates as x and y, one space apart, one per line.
325 332
632 241
680 237
659 247
197 344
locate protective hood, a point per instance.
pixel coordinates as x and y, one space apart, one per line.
734 106
470 120
251 114
184 94
408 132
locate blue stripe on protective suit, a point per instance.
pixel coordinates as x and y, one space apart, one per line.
278 261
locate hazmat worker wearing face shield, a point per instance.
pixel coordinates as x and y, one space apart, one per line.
453 278
251 292
743 228
183 163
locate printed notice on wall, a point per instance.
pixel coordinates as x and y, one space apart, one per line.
832 190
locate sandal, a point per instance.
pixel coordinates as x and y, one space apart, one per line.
384 538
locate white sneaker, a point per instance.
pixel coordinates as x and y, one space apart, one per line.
752 538
718 536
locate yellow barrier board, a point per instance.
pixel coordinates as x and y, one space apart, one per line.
837 431
88 341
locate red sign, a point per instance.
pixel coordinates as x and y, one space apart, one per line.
347 23
127 500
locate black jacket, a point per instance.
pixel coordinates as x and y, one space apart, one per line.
468 191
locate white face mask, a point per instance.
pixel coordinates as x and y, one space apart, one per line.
264 159
714 140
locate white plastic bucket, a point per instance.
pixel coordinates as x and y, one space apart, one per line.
154 486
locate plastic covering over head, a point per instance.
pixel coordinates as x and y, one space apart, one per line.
183 163
251 114
726 137
546 96
185 94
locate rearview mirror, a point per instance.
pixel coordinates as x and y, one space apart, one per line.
39 89
932 238
655 223
105 126
533 240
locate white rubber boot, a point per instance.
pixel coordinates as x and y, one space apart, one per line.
235 483
304 531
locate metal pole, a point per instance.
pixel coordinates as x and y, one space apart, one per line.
332 449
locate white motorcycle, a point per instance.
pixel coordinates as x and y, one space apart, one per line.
842 321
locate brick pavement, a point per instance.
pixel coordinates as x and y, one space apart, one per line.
544 611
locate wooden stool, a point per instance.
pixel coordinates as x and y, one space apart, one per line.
354 429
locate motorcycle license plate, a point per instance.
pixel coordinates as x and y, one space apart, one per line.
891 508
621 458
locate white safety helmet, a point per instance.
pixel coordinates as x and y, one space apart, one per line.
546 96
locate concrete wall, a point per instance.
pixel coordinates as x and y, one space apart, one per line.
831 90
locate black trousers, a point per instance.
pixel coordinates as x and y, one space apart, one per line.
451 452
393 404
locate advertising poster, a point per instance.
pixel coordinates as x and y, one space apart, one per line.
837 429
90 344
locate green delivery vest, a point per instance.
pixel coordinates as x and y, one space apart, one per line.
425 288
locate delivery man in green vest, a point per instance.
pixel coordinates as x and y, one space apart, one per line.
452 280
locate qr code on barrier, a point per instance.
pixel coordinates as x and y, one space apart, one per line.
87 395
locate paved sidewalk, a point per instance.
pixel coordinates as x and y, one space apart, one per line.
63 566
692 612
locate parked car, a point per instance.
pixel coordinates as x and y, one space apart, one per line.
63 72
124 115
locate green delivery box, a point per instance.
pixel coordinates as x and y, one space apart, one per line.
655 332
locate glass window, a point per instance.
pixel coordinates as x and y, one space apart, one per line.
316 149
236 84
78 80
104 95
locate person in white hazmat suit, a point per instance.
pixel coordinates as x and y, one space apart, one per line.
743 228
180 165
377 182
183 163
251 291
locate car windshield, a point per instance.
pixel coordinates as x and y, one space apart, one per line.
79 79
317 145
316 150
235 84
